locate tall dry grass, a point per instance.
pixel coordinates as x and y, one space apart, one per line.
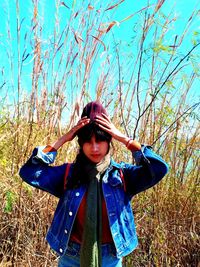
149 93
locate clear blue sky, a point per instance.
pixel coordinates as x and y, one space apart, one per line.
182 9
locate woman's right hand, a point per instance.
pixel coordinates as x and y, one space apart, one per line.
72 132
69 136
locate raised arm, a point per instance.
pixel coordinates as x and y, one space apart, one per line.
69 136
105 123
37 172
150 168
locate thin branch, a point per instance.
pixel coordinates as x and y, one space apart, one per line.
2 85
158 89
167 78
138 76
184 113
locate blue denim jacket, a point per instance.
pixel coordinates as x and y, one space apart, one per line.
149 170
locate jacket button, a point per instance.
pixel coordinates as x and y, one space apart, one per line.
61 251
70 213
77 194
66 231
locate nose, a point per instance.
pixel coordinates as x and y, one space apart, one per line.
95 146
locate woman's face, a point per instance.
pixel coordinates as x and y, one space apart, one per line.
95 150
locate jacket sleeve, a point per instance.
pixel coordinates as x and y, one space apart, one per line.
37 172
150 168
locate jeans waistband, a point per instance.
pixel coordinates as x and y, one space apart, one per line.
106 249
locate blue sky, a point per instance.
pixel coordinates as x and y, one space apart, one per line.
182 9
123 33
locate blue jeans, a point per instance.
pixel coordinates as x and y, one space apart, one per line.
72 256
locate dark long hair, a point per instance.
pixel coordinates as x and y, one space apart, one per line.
79 175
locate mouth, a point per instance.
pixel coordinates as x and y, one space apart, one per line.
95 155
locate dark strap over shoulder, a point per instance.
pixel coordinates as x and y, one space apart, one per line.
122 177
66 175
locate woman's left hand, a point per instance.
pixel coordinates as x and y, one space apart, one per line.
105 124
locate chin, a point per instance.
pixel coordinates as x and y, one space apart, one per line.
95 160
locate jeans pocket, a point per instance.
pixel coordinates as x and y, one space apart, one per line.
112 251
73 250
69 261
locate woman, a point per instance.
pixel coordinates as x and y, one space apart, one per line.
93 224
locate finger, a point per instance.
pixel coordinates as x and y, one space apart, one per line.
80 124
101 119
83 120
103 122
106 129
104 117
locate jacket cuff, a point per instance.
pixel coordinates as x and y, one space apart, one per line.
46 157
139 155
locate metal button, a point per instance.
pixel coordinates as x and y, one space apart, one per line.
77 194
66 231
61 251
70 213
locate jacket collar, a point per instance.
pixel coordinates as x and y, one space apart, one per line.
112 175
115 164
